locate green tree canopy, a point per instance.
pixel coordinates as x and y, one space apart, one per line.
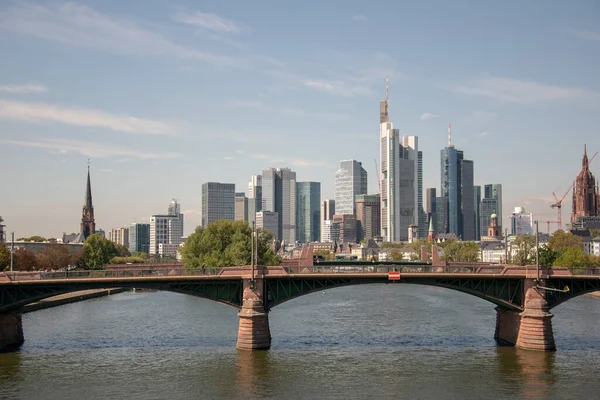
4 257
36 238
562 240
123 251
226 243
461 251
98 251
573 257
547 256
525 250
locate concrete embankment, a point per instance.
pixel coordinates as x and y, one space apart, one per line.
68 298
595 294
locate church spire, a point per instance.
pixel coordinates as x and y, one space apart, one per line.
584 162
88 191
88 223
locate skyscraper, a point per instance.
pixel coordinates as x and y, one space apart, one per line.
368 216
422 219
279 195
477 205
430 207
488 207
494 191
308 199
166 232
241 207
408 178
468 200
120 236
350 180
139 238
327 213
451 163
218 202
255 182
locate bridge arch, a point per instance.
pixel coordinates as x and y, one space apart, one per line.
508 293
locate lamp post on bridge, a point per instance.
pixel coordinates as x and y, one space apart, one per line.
12 250
537 252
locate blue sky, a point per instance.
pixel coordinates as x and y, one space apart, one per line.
163 96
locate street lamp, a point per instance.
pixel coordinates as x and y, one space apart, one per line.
12 250
537 251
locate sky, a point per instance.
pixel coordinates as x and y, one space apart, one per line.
163 96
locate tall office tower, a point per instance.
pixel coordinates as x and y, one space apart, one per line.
120 236
327 212
368 216
521 222
269 221
279 195
441 214
487 208
308 221
218 202
139 238
468 200
494 191
350 180
430 207
347 223
422 218
477 205
408 177
330 231
166 232
241 206
255 182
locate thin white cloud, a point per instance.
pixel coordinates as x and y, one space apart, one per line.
259 156
227 158
360 18
483 134
107 170
248 104
28 88
208 21
310 163
89 149
337 87
239 152
80 26
40 112
521 92
428 115
290 112
588 35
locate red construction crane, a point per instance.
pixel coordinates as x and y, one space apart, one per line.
558 203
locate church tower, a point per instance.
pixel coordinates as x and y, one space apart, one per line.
88 224
586 198
493 228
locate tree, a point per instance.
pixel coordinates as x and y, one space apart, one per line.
461 251
595 232
573 257
98 251
123 251
416 246
547 256
562 240
525 250
54 257
226 243
78 258
36 238
25 260
451 250
326 254
4 257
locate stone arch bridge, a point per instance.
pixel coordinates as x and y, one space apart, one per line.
523 302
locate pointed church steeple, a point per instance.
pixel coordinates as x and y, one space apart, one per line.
584 162
88 224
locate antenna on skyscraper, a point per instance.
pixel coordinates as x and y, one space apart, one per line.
387 90
449 135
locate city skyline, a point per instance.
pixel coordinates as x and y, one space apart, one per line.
148 109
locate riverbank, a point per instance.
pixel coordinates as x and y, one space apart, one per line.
68 298
595 294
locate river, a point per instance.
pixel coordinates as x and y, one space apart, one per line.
359 342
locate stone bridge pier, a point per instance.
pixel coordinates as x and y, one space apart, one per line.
11 331
530 329
253 331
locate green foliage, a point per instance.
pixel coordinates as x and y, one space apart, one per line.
396 255
416 246
573 257
226 243
126 260
123 251
547 256
4 257
594 232
37 239
461 251
326 254
562 240
392 245
525 250
98 251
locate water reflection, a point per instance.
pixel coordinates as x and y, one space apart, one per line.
251 370
532 371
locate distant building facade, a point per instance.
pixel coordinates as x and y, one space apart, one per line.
308 213
218 202
241 207
120 236
327 213
166 232
279 195
268 221
347 226
350 180
139 238
368 216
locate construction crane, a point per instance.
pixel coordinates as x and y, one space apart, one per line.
377 172
558 202
548 225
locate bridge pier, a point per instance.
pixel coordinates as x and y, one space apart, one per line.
11 331
535 332
508 323
253 331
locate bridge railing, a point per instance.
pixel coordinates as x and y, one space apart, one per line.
419 269
125 273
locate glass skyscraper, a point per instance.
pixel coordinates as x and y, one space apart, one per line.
308 204
218 202
139 238
279 195
350 180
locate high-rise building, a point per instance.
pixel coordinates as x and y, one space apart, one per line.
120 236
408 179
347 224
468 201
586 195
487 207
368 216
422 219
330 231
494 191
139 238
279 195
327 212
521 222
308 199
441 215
166 232
451 162
218 202
350 180
430 208
477 205
269 221
2 232
241 206
255 182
